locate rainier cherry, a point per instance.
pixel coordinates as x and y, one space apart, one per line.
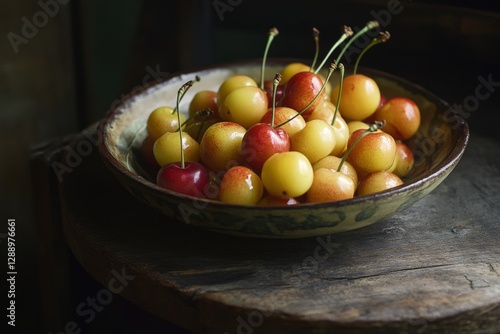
163 120
287 174
240 185
371 150
402 117
263 140
220 146
376 182
189 178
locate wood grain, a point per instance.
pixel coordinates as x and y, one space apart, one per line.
433 268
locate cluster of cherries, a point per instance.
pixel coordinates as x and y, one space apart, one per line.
291 140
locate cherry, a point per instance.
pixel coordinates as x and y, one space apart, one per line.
287 174
161 120
330 185
205 99
377 182
263 140
301 90
371 150
402 117
240 185
245 106
404 160
189 178
220 146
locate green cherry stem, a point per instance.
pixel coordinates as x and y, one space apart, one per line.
207 113
316 42
370 25
346 33
191 82
381 38
180 93
272 33
337 107
373 127
276 81
331 69
204 112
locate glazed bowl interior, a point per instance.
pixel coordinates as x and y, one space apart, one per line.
438 146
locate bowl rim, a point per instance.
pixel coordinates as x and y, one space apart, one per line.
449 161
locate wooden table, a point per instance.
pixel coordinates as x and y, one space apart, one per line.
433 268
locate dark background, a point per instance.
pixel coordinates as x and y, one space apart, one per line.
91 53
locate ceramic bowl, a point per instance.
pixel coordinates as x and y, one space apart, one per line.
438 147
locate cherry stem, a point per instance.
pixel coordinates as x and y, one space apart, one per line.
381 38
180 93
316 42
332 68
347 32
373 127
337 107
205 113
196 78
272 33
276 81
370 25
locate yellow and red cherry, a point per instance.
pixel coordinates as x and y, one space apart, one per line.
270 200
315 141
402 117
245 106
291 69
325 111
240 185
330 185
341 132
288 174
371 150
220 146
377 182
204 99
161 120
168 148
294 121
356 125
360 97
232 83
304 90
262 140
336 163
189 178
404 160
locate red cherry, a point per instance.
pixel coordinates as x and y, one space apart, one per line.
301 89
191 180
261 141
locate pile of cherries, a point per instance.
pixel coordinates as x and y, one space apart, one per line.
291 140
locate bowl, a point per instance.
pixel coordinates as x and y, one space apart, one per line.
438 146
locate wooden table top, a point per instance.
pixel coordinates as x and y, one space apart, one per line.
433 268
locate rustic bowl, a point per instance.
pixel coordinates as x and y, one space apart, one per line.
438 147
